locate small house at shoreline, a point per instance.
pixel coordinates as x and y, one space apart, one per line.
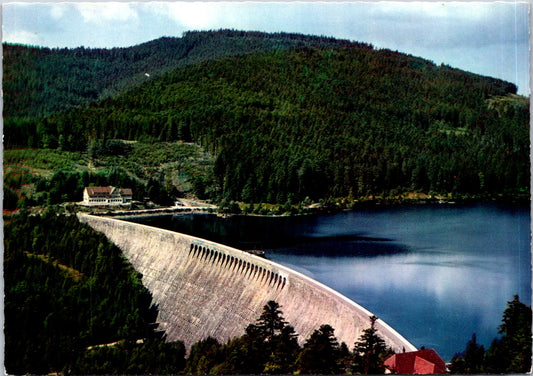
106 196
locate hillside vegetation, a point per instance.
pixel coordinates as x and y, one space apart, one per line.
40 81
67 288
336 119
161 171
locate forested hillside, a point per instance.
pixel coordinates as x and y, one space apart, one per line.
67 290
333 120
40 81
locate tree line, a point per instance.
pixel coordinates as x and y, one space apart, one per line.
269 346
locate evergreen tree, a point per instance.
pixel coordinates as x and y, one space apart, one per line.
345 359
271 321
474 354
512 353
320 353
471 361
279 340
243 355
204 355
370 351
457 365
268 346
284 352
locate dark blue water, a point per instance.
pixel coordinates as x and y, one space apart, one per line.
436 273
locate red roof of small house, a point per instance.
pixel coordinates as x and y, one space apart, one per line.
425 362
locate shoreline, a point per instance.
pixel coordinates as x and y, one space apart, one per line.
329 206
315 209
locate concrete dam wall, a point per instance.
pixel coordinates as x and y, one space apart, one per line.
207 289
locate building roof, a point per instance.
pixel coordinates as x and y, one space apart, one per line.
108 191
425 361
99 191
125 191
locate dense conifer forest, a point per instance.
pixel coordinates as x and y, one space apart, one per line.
67 289
289 117
39 81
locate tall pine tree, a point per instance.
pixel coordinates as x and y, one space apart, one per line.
320 353
370 351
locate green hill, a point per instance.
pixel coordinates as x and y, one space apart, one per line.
336 119
41 81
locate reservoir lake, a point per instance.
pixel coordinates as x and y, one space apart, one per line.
437 273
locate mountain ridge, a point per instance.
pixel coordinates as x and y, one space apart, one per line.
102 73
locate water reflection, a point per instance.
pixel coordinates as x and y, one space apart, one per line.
435 299
344 247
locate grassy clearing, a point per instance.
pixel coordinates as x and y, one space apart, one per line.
70 272
149 157
177 161
44 161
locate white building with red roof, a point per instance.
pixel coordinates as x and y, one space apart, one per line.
106 196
